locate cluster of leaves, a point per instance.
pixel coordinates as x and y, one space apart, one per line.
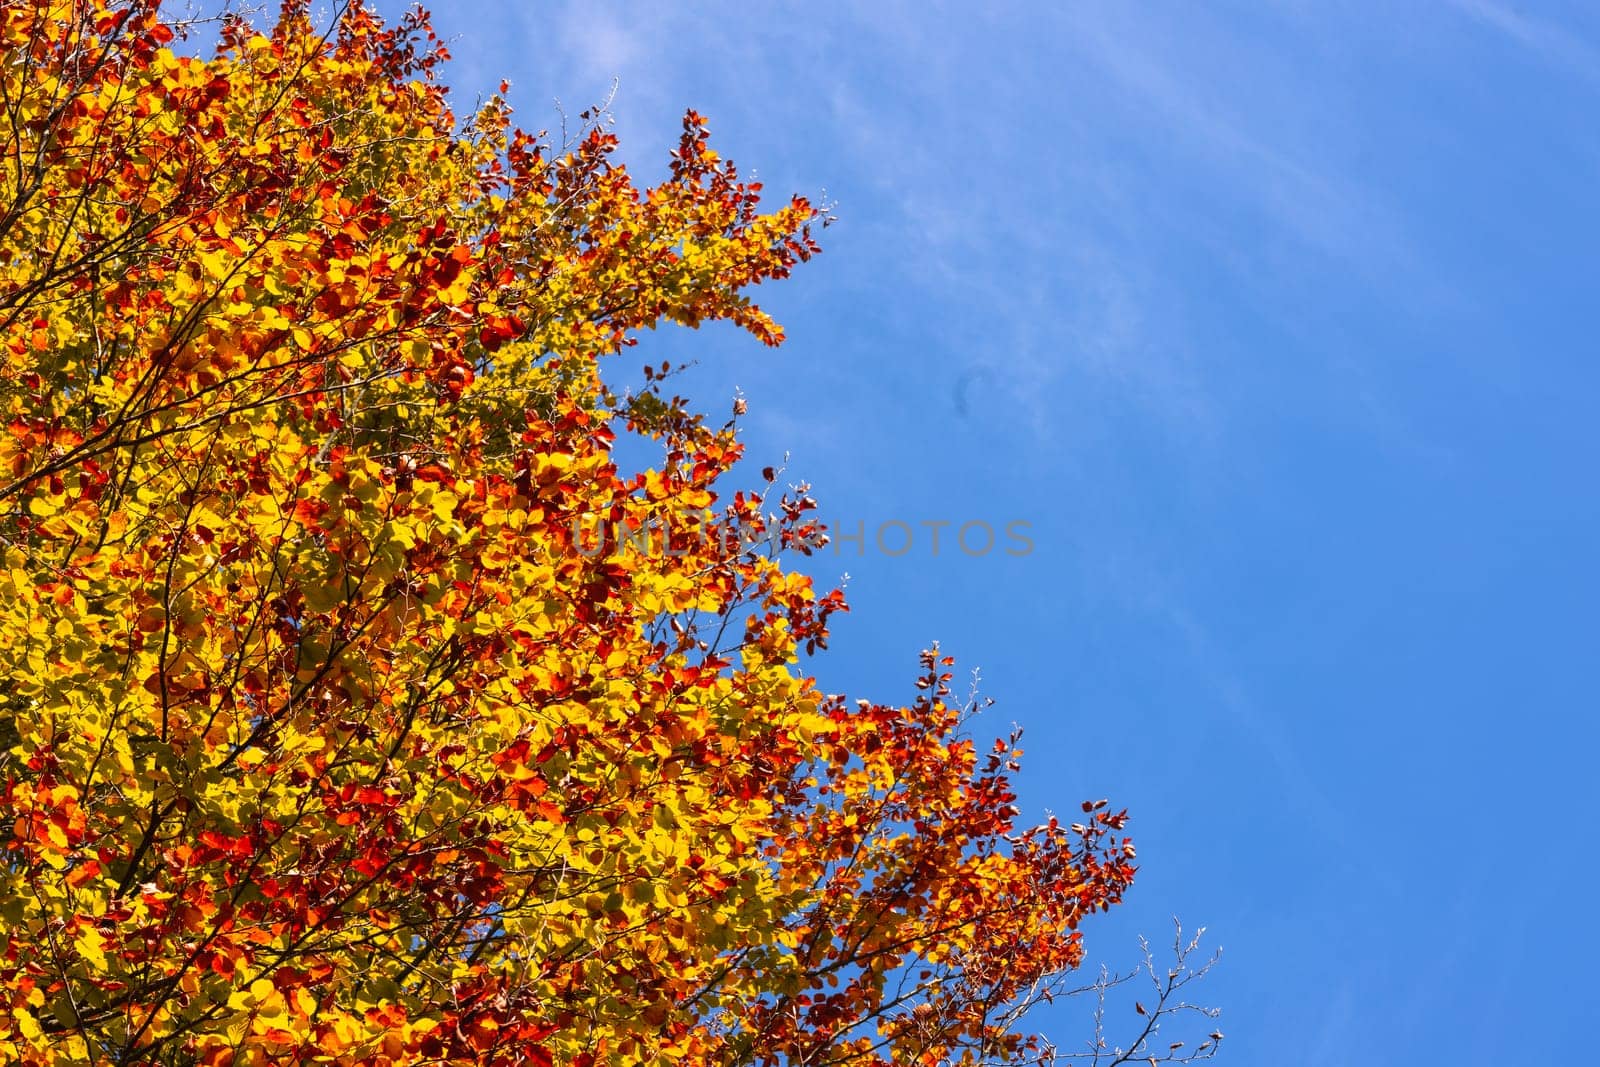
326 740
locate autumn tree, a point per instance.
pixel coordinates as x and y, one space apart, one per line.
339 724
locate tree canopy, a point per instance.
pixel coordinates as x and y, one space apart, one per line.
330 733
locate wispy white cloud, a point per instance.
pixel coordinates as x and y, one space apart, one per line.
1039 307
1318 202
1552 43
1266 730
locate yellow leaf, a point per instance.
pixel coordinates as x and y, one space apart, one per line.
91 947
215 263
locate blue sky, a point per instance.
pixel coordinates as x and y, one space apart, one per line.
1275 322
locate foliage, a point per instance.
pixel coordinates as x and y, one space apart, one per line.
332 736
